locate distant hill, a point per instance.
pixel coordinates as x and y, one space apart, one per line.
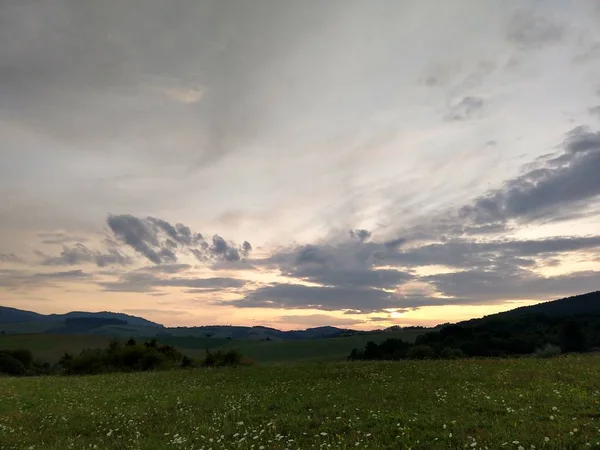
13 315
257 333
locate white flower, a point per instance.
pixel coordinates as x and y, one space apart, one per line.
546 439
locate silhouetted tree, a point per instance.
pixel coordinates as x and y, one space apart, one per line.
572 338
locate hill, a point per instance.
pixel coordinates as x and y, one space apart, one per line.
576 305
571 323
13 315
16 321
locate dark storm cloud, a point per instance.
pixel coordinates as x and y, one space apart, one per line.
468 108
159 241
559 189
80 254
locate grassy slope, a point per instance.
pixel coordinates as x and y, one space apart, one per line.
29 327
418 405
49 347
328 349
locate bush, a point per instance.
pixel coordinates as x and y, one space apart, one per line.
11 365
452 353
22 355
221 358
187 362
548 351
421 352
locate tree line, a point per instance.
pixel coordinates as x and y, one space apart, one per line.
537 334
117 357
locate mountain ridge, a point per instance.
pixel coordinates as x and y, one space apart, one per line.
14 315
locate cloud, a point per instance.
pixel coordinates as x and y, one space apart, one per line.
80 254
139 235
9 257
25 280
150 311
468 108
159 241
468 254
144 281
318 320
559 189
166 268
530 29
361 235
63 275
595 110
480 286
347 264
297 296
59 238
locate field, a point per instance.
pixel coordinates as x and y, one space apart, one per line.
50 347
513 404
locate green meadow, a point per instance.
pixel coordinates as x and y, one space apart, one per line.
50 347
495 403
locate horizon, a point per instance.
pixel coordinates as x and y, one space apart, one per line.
299 164
236 325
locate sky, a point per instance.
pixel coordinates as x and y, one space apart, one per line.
297 164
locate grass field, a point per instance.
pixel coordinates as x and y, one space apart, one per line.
513 404
50 347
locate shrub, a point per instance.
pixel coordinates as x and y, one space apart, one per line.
221 358
151 361
452 353
421 352
11 365
24 356
187 362
548 351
